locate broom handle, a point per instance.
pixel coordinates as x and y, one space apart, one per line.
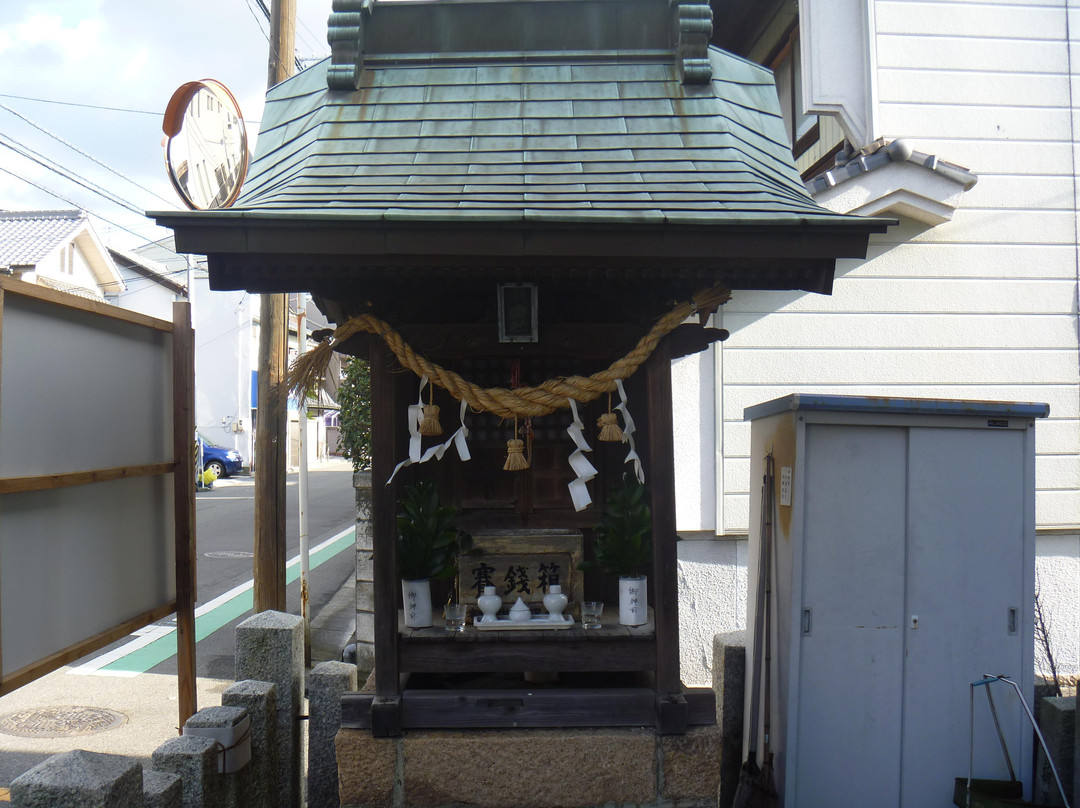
759 626
768 540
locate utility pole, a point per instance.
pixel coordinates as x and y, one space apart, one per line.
270 429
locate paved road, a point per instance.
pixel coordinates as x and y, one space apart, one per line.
225 526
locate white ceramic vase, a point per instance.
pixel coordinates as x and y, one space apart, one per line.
633 601
416 597
555 601
489 604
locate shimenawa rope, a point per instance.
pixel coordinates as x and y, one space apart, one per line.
542 399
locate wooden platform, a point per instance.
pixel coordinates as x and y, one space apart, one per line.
612 647
620 692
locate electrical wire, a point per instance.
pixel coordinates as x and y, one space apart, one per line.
71 202
95 106
75 148
266 13
45 162
77 104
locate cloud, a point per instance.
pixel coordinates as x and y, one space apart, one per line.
69 42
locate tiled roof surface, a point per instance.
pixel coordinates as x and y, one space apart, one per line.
26 237
499 139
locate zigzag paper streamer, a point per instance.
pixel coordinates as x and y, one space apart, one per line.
628 433
579 490
416 415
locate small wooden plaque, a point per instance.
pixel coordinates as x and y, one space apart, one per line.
523 564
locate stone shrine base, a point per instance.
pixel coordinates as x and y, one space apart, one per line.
535 768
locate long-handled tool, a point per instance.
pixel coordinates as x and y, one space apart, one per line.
968 794
756 788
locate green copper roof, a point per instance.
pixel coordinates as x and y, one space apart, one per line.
619 140
527 137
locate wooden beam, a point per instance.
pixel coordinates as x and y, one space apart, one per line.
384 428
69 301
661 481
48 482
184 505
2 302
58 659
637 654
525 707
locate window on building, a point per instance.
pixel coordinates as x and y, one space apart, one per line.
786 64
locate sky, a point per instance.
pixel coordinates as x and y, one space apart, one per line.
98 74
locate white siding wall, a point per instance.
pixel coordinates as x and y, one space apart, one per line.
982 307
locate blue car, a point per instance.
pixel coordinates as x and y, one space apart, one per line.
220 460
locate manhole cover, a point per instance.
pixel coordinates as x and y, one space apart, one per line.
60 722
228 554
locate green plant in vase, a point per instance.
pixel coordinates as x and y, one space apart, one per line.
428 545
623 546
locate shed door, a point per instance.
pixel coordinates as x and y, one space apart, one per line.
849 713
965 570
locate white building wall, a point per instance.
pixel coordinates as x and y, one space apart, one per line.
223 363
982 307
146 296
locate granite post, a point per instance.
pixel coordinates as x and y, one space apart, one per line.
1057 722
162 790
327 682
270 648
80 779
729 682
224 724
260 701
195 760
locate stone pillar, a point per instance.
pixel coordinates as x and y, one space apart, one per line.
162 790
80 779
365 586
729 683
1057 722
260 701
327 682
195 761
270 648
225 725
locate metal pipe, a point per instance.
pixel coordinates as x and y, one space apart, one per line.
302 484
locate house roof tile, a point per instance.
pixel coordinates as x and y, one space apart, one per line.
26 237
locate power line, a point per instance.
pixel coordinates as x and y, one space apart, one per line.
266 13
75 148
71 202
44 162
76 104
95 106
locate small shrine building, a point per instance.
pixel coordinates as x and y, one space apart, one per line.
516 192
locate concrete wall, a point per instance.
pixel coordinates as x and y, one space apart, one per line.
980 307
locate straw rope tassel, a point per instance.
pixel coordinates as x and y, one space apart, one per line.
609 425
515 453
429 425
